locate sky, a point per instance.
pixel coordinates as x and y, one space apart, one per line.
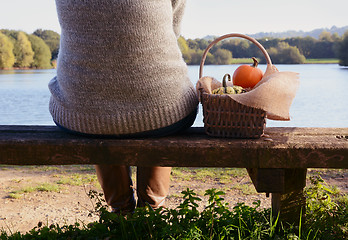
203 17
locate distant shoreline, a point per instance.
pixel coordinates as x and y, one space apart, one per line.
235 61
26 68
308 61
322 61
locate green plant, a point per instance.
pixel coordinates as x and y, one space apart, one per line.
326 218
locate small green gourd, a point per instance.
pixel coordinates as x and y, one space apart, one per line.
228 90
224 89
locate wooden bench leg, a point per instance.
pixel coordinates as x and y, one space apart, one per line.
290 206
286 186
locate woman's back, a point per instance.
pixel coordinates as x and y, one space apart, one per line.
120 70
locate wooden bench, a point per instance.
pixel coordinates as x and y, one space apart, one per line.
277 163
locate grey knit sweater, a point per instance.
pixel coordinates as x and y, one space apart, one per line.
120 70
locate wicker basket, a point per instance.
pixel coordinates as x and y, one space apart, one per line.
224 117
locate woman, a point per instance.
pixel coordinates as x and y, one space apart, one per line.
120 73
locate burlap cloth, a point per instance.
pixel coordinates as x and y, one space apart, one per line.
273 94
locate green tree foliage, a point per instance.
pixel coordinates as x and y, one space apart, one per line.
222 57
195 57
325 36
51 38
283 53
343 50
192 51
22 49
324 47
298 48
268 42
7 58
202 43
42 56
193 44
12 34
305 45
238 47
185 50
289 50
335 37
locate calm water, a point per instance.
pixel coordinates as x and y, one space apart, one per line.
321 101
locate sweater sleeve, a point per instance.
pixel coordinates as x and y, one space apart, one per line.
178 13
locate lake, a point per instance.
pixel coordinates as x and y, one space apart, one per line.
321 100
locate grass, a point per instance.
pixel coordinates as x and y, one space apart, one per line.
326 211
229 179
245 189
50 168
61 175
241 61
77 179
48 187
321 60
326 218
203 174
43 187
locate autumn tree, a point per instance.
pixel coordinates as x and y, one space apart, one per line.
185 50
7 58
42 53
22 49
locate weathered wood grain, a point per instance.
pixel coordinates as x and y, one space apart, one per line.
286 186
277 163
284 148
277 180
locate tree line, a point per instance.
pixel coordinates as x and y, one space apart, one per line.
21 50
282 51
40 49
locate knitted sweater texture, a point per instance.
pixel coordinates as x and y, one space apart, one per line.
120 70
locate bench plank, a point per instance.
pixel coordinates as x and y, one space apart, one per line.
285 148
277 163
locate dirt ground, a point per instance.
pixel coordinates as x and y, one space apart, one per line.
58 195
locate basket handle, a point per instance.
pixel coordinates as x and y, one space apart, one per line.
268 59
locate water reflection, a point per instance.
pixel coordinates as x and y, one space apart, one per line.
27 71
321 100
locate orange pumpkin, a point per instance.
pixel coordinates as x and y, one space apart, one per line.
247 76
